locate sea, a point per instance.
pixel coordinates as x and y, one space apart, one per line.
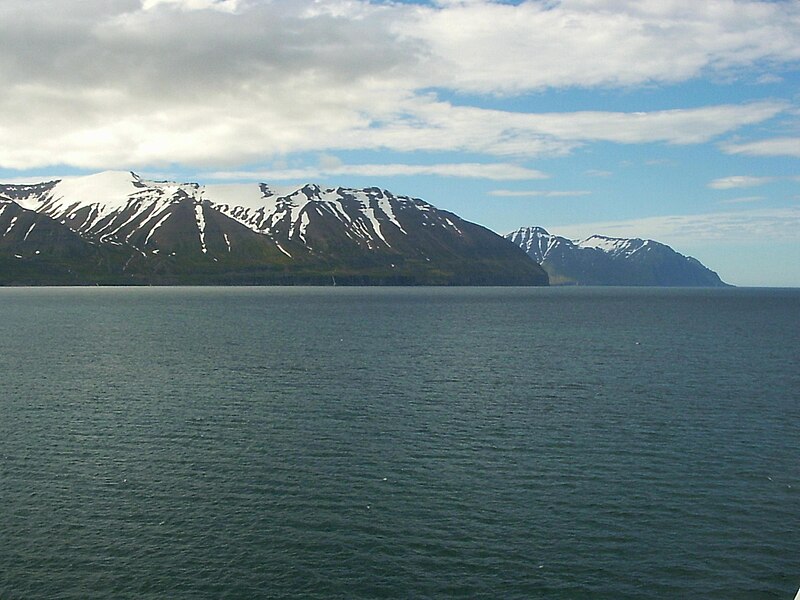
603 443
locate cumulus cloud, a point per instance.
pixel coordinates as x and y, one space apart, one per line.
218 83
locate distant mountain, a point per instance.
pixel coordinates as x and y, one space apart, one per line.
600 260
119 228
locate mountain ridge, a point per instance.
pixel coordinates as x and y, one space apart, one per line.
162 232
604 260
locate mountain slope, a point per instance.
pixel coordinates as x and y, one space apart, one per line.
36 249
600 260
161 232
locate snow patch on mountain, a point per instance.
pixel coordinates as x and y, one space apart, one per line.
109 190
11 226
163 217
201 226
30 230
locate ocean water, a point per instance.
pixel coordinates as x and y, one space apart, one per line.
399 443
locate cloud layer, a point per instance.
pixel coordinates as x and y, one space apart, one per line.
495 171
216 83
774 224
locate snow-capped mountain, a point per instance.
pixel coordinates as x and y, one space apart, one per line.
145 231
601 260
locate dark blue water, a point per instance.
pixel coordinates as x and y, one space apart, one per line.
385 443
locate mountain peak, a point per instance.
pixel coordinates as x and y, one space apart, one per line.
530 231
613 245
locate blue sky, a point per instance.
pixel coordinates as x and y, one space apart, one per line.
675 120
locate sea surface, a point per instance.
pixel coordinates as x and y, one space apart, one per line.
399 443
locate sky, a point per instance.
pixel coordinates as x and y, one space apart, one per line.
674 120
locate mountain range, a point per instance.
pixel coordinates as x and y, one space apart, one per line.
601 260
119 228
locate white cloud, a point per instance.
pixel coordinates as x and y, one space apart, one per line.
738 181
540 193
495 171
683 126
787 146
769 78
329 161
